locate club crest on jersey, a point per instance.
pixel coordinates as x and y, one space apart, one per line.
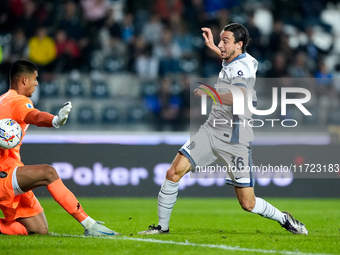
240 73
29 105
191 145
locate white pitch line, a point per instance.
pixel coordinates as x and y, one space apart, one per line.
217 246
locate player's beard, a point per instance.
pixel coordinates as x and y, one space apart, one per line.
229 55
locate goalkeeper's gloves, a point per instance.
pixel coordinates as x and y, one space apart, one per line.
62 116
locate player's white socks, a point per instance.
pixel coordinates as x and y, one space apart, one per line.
88 222
166 200
266 210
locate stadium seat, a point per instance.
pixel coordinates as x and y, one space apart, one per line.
334 117
136 114
74 89
49 89
188 65
177 87
114 64
198 42
111 115
55 109
86 115
169 66
100 90
309 120
149 88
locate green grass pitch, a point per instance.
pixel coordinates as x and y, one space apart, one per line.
198 226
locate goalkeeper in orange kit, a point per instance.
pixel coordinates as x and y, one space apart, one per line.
23 212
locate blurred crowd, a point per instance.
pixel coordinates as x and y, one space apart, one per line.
160 42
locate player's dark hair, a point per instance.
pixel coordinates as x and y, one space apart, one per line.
20 68
241 34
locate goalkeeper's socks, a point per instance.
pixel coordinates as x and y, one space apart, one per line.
88 222
12 228
166 200
67 200
266 210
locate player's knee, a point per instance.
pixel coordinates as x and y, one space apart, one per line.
50 174
247 205
41 231
37 229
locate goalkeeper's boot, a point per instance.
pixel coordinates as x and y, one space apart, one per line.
294 226
98 229
153 230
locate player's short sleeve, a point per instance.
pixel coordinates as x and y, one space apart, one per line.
240 75
21 107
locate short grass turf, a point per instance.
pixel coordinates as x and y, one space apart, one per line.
197 226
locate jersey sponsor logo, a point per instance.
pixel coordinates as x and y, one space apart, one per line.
29 105
3 174
191 145
240 73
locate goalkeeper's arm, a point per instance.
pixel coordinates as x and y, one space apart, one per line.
44 119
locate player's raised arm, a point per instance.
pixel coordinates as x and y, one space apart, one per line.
209 41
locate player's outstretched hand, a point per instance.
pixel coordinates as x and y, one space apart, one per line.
209 41
198 92
62 116
208 37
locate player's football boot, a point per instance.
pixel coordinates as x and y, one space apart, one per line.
153 230
97 229
294 226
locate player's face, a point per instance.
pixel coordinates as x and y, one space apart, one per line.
229 49
32 83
